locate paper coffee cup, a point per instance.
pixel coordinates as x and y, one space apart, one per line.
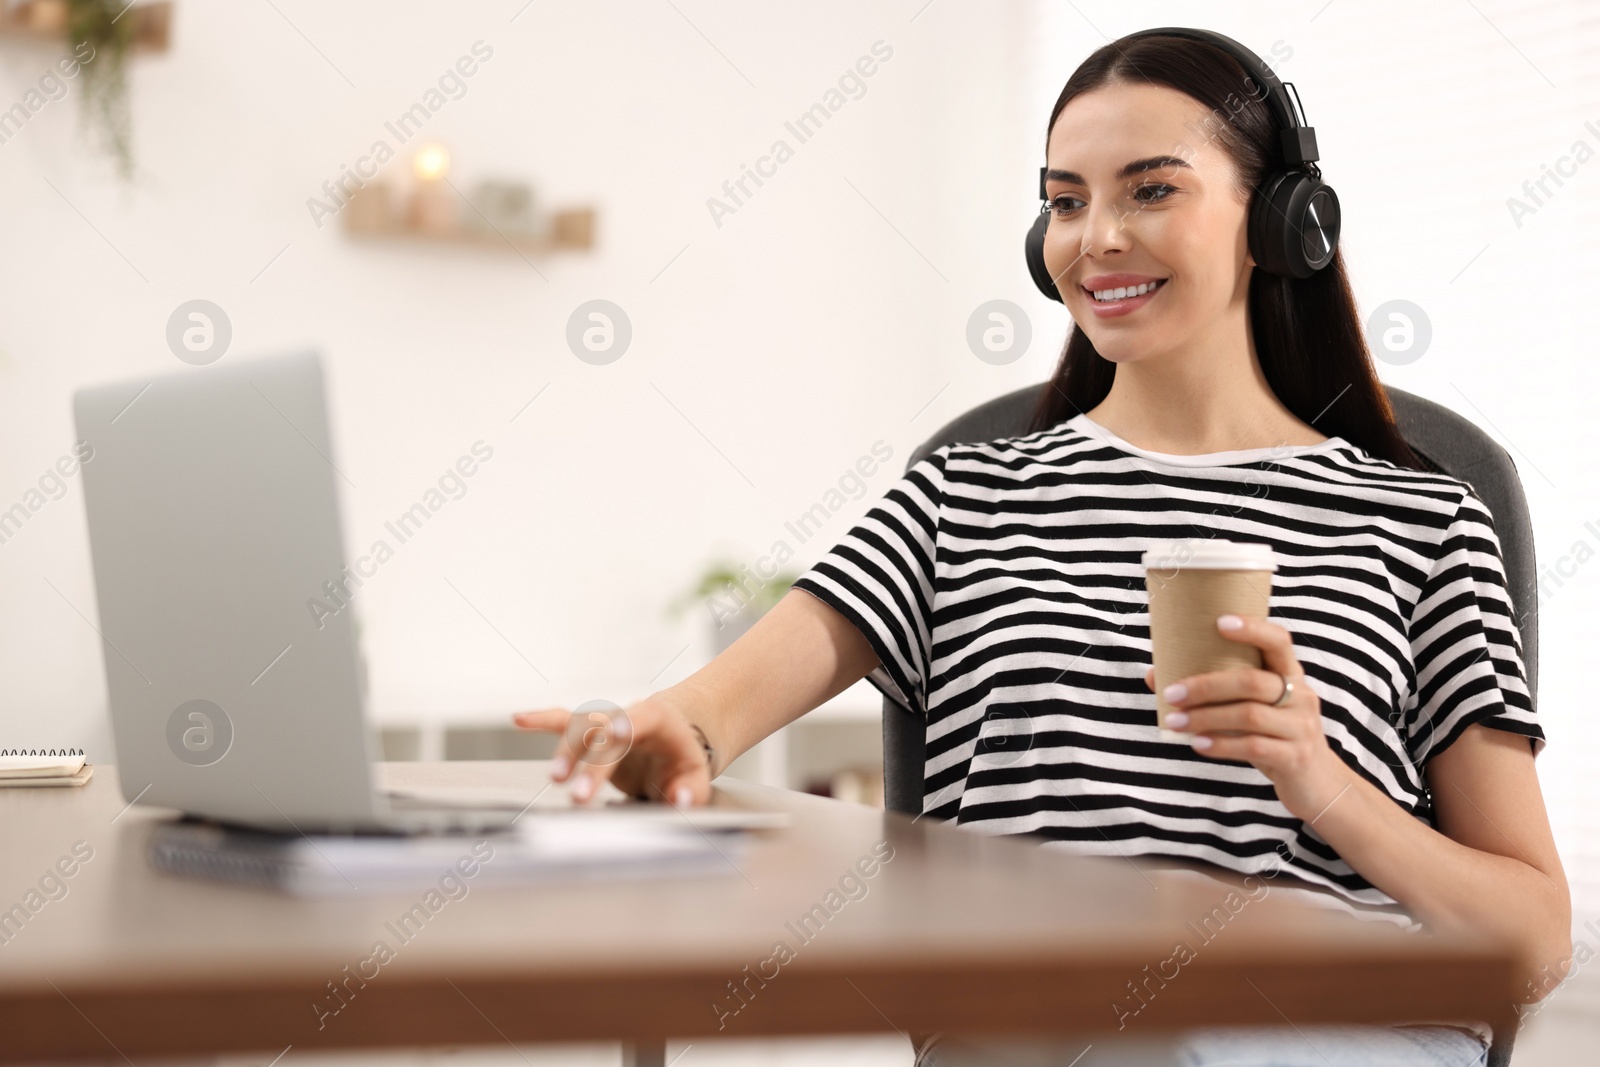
1190 582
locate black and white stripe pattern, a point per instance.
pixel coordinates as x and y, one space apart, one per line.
1000 584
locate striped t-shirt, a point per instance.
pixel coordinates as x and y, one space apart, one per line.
1001 587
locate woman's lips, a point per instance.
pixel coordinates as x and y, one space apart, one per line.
1110 309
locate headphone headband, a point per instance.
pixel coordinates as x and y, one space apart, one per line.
1298 141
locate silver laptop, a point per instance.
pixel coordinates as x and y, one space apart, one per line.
214 524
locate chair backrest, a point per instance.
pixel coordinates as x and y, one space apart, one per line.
1439 436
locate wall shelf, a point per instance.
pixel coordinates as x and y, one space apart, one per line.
569 230
46 21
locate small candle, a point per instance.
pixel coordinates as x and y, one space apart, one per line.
433 202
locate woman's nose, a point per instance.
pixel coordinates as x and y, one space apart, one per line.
1104 228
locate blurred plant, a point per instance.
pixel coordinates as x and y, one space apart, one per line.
733 586
99 23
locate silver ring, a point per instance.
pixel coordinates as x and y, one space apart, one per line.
1288 691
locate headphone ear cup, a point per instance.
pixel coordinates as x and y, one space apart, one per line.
1034 250
1294 225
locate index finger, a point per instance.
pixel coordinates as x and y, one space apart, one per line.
542 719
556 721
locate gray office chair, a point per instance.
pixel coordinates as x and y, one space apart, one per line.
1438 436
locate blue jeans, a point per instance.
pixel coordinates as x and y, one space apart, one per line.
1306 1046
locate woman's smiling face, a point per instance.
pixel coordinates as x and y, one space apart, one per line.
1138 189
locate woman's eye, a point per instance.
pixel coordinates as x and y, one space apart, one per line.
1059 208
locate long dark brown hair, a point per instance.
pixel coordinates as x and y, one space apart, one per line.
1307 331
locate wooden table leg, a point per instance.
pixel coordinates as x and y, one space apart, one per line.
644 1054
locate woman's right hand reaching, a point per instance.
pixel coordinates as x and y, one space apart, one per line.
649 750
799 654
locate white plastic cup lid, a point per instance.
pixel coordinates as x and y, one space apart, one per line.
1211 553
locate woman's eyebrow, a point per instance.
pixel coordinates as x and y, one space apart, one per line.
1138 166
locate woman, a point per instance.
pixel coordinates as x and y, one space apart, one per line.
999 584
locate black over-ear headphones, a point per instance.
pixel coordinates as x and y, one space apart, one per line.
1294 214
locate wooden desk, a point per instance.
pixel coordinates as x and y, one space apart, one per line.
958 931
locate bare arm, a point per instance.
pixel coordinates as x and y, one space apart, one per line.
1490 866
798 655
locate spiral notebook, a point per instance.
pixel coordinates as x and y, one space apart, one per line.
32 769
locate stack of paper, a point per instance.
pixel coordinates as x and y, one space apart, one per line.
537 848
44 770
